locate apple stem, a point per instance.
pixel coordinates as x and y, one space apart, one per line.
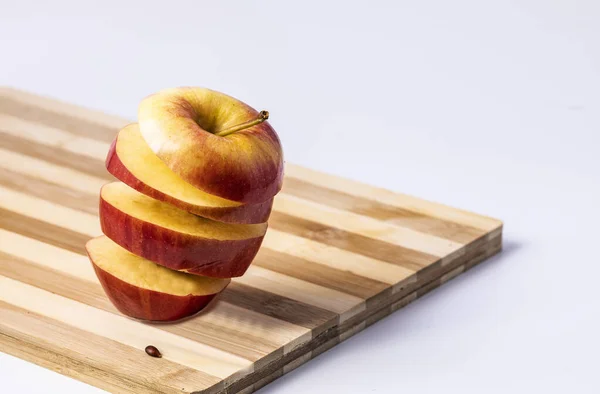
262 116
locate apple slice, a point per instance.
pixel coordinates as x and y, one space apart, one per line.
131 160
214 142
174 238
142 289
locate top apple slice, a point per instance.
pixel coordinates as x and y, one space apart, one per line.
131 161
181 126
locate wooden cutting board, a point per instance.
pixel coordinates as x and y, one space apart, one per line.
338 256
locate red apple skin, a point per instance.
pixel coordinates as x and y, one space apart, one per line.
245 214
178 251
246 166
146 304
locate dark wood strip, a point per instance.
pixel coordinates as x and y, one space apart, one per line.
386 213
221 337
277 306
43 231
319 274
54 155
50 192
355 243
57 120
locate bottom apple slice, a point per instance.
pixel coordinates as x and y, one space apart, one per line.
144 290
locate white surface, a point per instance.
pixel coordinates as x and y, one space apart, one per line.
490 106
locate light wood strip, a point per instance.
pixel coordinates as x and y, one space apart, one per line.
91 358
50 136
128 332
368 227
53 155
48 172
388 197
59 118
59 215
51 104
242 332
334 257
50 192
43 231
47 255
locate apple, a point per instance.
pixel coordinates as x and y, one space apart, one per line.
131 161
144 290
214 142
174 238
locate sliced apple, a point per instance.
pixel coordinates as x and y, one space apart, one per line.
131 160
142 289
174 238
182 128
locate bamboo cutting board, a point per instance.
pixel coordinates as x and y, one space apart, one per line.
338 256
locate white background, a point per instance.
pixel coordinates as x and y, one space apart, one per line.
491 106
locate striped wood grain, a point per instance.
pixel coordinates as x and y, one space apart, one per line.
338 256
